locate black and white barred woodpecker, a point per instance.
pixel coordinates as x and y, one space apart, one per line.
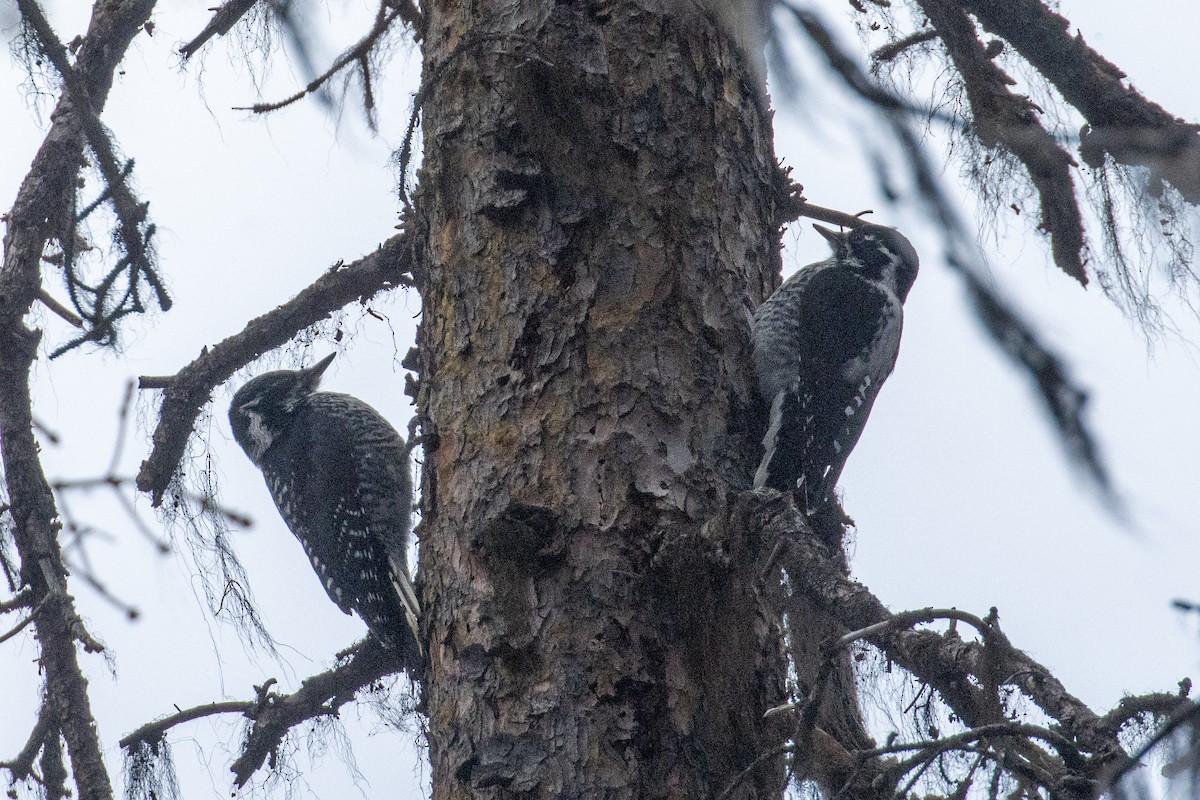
339 474
824 343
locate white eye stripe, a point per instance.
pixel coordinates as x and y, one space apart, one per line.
261 437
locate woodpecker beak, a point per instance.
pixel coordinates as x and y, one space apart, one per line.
834 238
312 376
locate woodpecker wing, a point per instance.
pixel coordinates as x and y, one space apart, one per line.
341 481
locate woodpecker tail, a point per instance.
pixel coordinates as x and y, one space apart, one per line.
789 448
408 598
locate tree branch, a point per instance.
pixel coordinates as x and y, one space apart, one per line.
22 599
223 19
42 204
894 49
319 696
186 392
387 14
274 715
134 235
968 675
1184 715
1008 120
1158 704
906 619
20 626
153 731
1000 729
58 308
1123 123
21 766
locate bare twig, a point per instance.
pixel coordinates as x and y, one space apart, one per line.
890 51
23 599
832 216
118 484
153 731
907 619
58 308
21 766
223 19
356 54
122 428
20 626
966 674
44 430
1068 751
232 516
1184 715
156 381
849 71
130 611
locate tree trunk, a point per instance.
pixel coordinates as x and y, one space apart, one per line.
598 206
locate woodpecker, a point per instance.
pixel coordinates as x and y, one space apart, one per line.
824 343
339 475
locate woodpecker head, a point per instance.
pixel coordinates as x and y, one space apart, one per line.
262 409
880 253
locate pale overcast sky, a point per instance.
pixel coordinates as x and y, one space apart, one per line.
961 493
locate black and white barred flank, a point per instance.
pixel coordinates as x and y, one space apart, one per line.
824 343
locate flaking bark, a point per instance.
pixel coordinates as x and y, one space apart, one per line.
599 204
